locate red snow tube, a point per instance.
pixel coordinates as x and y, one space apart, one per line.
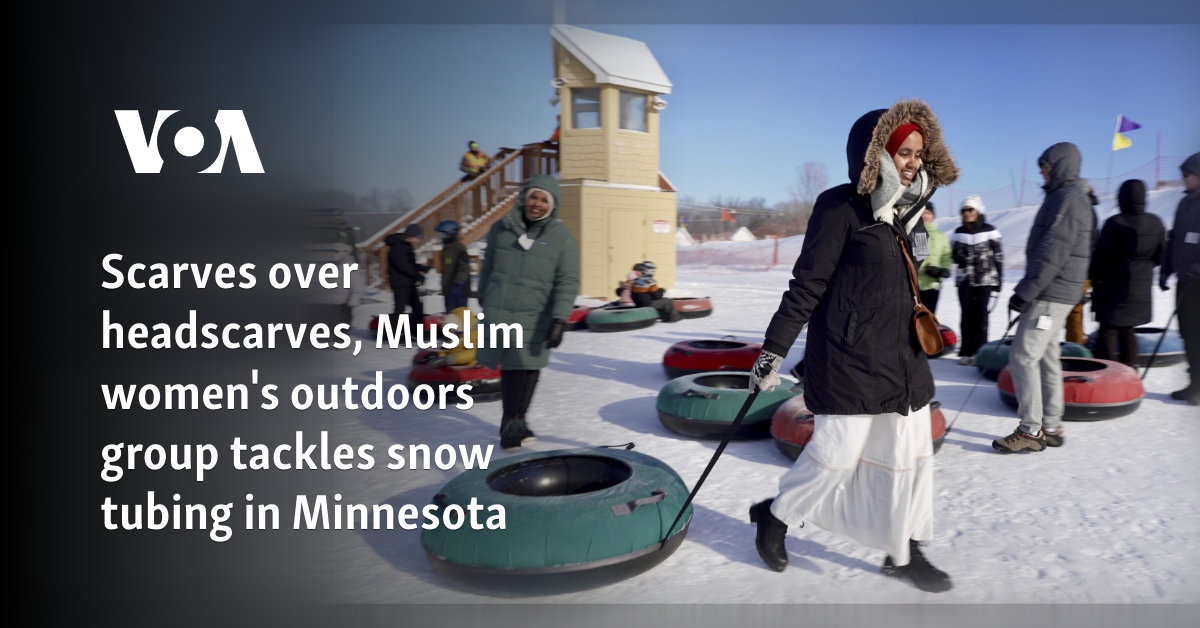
432 319
577 319
1093 389
699 356
692 307
949 340
937 425
792 426
485 382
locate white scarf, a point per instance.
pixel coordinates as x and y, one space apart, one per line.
890 197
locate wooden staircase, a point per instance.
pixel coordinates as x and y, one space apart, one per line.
475 204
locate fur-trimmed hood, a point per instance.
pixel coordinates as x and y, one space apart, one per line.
870 133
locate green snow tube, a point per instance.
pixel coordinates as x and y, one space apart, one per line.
621 318
574 519
992 357
704 405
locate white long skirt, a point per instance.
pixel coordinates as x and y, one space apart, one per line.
866 476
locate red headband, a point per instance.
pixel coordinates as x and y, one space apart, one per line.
899 135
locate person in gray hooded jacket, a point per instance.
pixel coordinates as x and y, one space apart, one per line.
1056 265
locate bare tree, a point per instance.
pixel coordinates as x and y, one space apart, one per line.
811 179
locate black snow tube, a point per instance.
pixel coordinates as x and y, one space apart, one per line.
1093 390
704 405
574 519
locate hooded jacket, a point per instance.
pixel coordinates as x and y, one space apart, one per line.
1131 244
1059 247
530 276
1183 248
456 263
977 250
850 285
939 257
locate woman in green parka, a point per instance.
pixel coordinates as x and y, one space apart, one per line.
936 267
530 277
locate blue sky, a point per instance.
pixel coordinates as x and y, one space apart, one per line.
753 102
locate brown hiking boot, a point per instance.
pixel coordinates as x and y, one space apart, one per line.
1055 438
1020 442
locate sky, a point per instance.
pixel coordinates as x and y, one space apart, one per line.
752 103
1101 532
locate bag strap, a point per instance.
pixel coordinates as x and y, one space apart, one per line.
912 272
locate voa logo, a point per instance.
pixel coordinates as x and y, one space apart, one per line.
191 144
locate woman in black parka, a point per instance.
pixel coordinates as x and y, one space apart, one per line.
1122 272
867 472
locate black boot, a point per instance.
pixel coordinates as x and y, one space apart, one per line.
528 385
919 571
770 536
510 435
511 390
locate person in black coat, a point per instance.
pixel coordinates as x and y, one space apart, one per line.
1122 271
867 471
398 259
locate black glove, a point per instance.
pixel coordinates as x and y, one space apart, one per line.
1162 283
996 288
555 335
1017 304
936 272
764 375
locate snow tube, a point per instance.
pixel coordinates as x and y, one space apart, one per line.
949 340
704 405
992 356
574 519
1169 352
620 318
792 426
1093 389
699 356
577 319
485 382
431 319
692 307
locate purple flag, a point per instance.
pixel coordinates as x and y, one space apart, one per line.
1125 124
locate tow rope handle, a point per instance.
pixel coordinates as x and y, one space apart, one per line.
741 415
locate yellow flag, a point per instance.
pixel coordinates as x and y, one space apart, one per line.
1120 141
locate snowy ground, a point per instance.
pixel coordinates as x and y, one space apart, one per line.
1109 518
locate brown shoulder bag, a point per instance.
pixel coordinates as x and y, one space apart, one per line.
924 322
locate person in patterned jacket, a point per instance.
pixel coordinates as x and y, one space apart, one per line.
975 247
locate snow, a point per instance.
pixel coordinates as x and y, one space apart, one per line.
1108 518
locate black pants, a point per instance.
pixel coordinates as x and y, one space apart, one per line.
516 393
1118 344
1187 312
405 296
929 299
974 303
